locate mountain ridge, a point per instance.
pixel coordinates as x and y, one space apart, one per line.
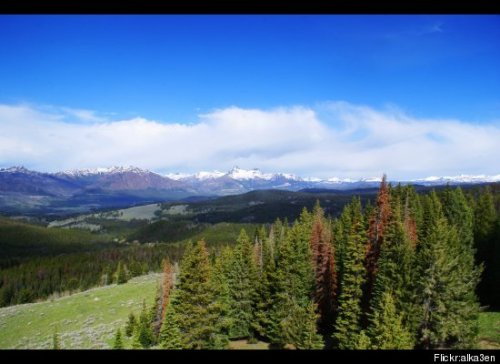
23 191
246 175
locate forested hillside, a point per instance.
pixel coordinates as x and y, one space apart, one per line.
398 274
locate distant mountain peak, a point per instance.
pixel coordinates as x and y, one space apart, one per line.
248 174
104 170
15 169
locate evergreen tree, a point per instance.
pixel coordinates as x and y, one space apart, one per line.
265 287
448 307
221 305
196 306
324 270
167 285
121 273
293 283
432 211
144 333
396 274
131 324
363 341
458 213
136 342
378 223
342 230
347 325
118 343
155 318
242 279
487 242
484 216
386 329
170 334
299 327
412 215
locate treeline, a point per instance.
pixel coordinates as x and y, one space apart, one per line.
38 278
398 274
20 241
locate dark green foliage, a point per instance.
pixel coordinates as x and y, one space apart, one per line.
265 284
242 282
155 314
347 325
445 289
167 231
484 216
131 325
395 277
38 278
170 334
20 241
144 333
386 329
292 283
121 274
118 343
196 306
299 327
487 241
325 275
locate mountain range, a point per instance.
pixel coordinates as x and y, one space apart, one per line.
21 188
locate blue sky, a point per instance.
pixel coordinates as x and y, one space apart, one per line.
185 70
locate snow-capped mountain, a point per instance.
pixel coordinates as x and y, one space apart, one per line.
102 170
234 173
245 175
91 186
120 178
239 180
461 179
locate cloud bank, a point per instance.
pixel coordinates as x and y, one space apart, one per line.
326 140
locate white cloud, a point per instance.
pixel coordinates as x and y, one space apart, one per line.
331 139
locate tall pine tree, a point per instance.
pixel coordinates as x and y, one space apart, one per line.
323 258
394 284
378 224
242 279
347 325
445 289
196 305
170 333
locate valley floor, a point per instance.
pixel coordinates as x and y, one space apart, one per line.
89 320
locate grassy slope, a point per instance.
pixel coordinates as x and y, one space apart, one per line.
84 320
89 319
489 330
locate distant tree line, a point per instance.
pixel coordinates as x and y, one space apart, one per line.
38 278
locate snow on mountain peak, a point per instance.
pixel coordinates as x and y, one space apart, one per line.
177 176
244 174
203 175
15 169
462 178
104 170
338 180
